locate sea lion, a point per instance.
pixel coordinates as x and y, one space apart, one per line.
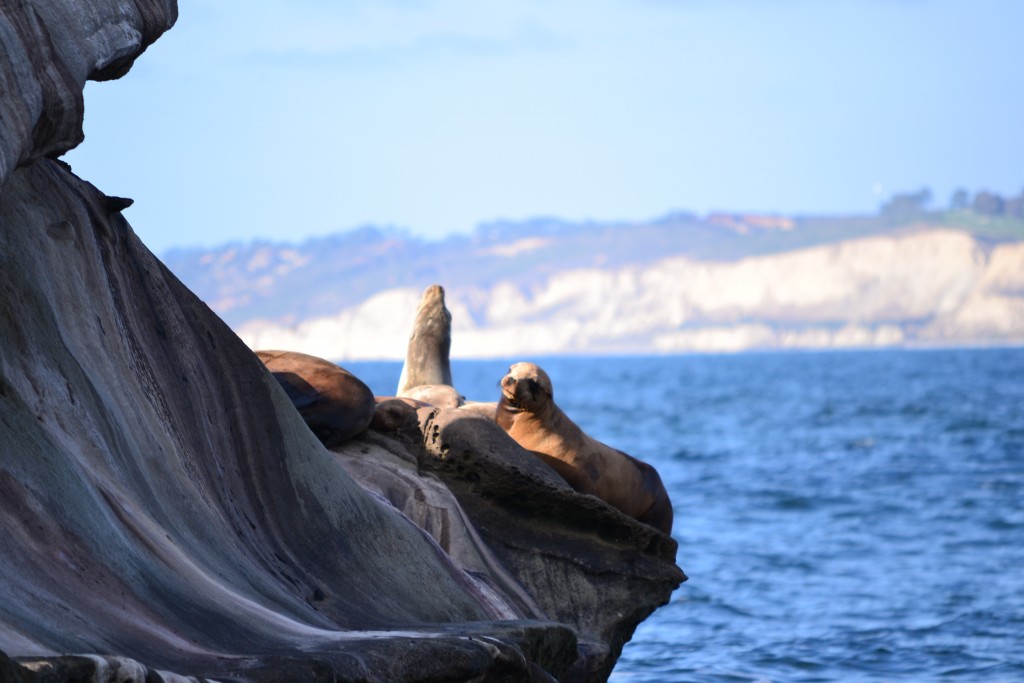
335 404
393 413
483 409
437 395
528 413
427 374
426 359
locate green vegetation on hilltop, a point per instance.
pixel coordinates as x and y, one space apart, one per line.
291 282
986 215
999 228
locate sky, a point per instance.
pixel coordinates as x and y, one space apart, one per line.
291 119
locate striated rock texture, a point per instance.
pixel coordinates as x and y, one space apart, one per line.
586 563
163 506
160 498
47 52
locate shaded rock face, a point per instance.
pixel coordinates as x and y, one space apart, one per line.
47 52
163 505
160 497
586 563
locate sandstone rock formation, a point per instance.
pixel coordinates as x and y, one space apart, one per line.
586 563
47 52
163 507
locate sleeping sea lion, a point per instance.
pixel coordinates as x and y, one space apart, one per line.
335 404
527 411
437 395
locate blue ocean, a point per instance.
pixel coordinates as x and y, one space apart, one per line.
842 516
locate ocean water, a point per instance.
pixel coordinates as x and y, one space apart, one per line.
842 516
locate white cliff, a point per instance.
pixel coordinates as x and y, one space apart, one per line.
933 287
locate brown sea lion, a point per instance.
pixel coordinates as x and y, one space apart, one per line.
335 404
527 411
392 413
426 359
488 409
426 374
437 395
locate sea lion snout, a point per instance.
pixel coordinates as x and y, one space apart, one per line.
508 388
526 386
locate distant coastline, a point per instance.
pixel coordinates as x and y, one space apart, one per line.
728 282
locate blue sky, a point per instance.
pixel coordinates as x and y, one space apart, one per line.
283 120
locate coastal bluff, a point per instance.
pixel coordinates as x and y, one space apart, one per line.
166 514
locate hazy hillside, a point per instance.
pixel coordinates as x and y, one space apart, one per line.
681 283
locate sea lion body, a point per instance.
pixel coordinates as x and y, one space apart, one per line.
483 409
335 404
528 413
427 374
437 395
426 358
392 413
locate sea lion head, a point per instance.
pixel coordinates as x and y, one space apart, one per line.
526 387
431 314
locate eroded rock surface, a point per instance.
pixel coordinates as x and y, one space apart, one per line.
161 499
586 563
163 506
48 49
